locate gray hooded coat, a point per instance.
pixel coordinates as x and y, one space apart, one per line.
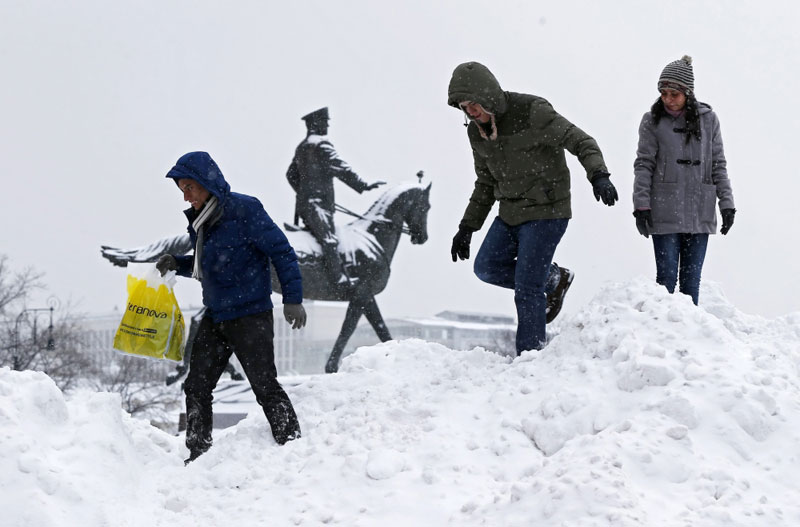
679 181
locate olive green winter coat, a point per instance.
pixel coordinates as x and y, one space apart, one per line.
519 158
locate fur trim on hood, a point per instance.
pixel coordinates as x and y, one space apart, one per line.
493 123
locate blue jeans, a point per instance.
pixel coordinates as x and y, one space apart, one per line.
684 253
520 258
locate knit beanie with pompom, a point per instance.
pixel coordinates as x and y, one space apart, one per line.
678 75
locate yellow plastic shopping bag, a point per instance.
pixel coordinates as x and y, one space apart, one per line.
152 325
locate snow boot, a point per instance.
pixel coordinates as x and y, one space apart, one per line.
194 454
556 300
283 421
196 451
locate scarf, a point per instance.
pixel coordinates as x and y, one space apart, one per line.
208 215
675 114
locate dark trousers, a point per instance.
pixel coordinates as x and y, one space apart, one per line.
520 257
250 338
680 255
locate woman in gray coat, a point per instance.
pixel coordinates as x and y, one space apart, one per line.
680 173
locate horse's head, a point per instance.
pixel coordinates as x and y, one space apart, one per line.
416 217
400 209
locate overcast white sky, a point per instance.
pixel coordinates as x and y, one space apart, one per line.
99 99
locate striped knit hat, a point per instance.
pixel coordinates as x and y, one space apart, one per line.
678 75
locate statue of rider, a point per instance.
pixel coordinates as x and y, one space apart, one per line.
311 174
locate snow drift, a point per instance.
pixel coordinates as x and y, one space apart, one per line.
643 410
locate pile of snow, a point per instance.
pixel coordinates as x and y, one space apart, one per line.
642 410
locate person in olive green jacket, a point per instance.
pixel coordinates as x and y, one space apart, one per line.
518 143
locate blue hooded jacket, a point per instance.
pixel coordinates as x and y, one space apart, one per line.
237 248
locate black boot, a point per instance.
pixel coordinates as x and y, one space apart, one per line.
344 282
199 424
556 299
193 454
283 421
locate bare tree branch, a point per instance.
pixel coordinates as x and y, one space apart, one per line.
16 286
140 385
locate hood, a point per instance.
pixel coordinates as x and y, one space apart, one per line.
200 167
474 82
703 108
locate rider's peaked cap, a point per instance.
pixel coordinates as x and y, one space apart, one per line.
316 116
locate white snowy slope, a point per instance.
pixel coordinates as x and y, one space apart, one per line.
643 410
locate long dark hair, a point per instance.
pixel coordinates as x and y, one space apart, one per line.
692 115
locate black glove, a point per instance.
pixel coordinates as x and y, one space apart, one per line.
165 263
727 220
461 241
295 314
604 188
375 185
644 220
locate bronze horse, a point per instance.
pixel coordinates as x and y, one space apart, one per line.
366 246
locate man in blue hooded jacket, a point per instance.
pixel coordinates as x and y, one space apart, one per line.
234 242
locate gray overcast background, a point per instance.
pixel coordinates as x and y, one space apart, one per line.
100 98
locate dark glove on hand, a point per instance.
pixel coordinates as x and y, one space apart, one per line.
165 263
375 185
604 188
644 220
295 314
461 241
727 220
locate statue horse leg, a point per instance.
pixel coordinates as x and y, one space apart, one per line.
354 311
375 319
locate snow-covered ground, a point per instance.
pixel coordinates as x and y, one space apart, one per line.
643 410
